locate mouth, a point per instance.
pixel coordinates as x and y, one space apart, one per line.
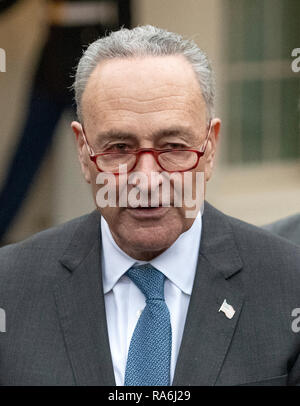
147 212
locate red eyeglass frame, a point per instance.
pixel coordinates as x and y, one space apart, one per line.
155 152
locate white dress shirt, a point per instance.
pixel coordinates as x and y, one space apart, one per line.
124 301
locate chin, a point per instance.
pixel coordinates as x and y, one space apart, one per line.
147 236
149 239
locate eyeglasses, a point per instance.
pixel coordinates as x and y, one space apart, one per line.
170 160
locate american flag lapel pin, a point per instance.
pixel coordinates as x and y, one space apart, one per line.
227 309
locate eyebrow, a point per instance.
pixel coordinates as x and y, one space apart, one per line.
184 132
116 135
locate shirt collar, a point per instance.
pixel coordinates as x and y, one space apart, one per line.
178 263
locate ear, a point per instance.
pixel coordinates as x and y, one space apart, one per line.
212 147
82 151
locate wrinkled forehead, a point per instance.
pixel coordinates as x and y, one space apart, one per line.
144 86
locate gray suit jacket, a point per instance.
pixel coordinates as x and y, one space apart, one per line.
56 332
288 227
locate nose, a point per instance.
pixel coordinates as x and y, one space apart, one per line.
147 163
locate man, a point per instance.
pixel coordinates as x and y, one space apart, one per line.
143 294
288 228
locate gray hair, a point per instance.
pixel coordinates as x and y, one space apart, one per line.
145 41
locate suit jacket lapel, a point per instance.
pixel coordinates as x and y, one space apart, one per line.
80 303
208 332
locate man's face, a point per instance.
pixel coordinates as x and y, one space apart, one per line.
146 102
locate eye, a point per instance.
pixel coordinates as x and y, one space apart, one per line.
175 145
119 147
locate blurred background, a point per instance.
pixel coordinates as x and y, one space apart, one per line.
257 176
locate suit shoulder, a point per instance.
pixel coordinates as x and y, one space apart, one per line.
285 223
268 259
44 247
288 227
250 236
253 244
43 238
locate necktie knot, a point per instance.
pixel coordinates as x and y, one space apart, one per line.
149 280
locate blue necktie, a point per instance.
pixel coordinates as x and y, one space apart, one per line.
149 355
